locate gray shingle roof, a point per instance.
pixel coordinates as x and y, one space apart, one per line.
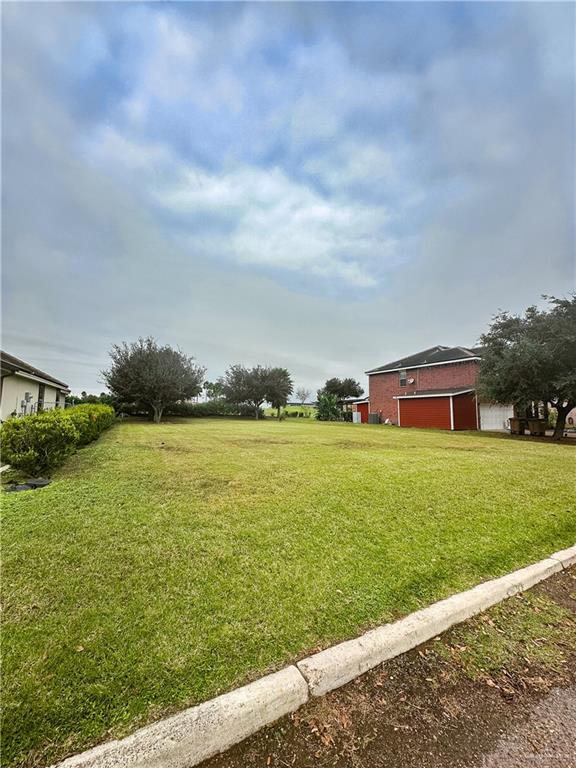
438 354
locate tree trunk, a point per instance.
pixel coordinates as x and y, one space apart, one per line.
158 410
278 413
562 411
257 412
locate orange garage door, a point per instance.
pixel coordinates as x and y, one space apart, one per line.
425 412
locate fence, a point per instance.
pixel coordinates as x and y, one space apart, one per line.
26 408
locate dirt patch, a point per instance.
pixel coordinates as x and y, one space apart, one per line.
261 442
422 710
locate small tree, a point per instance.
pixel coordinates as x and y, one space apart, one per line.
328 409
156 376
213 389
532 358
280 387
302 394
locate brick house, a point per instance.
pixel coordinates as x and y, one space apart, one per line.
434 388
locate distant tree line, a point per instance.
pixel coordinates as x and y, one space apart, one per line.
147 377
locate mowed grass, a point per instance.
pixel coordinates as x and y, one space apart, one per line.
166 564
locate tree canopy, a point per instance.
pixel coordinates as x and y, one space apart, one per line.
156 376
280 387
213 389
256 386
342 388
532 358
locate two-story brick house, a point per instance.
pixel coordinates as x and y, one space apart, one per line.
434 388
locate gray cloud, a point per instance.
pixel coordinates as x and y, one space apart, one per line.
471 192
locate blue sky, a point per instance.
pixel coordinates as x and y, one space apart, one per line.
320 186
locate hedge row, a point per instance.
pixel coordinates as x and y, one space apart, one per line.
38 443
193 410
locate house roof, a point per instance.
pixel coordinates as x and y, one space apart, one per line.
436 392
14 365
432 356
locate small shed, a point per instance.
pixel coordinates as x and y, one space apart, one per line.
438 409
357 405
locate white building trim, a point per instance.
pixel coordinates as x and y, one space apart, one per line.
47 382
440 394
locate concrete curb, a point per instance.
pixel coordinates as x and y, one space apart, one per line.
197 733
566 557
187 738
338 665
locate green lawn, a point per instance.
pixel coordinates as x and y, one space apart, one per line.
309 410
167 564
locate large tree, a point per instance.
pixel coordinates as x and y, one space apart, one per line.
256 386
532 358
342 388
246 386
280 387
156 376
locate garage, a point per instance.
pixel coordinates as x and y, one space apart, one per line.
495 417
438 409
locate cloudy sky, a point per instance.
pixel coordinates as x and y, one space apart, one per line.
321 186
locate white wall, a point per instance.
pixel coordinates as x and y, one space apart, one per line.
14 389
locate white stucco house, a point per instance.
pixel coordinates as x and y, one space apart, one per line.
25 389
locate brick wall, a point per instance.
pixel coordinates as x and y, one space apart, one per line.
383 387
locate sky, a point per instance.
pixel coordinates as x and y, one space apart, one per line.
325 187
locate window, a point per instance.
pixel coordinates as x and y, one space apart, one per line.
41 391
402 378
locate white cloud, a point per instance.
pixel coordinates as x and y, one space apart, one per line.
260 216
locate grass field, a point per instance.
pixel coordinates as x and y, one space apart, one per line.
166 564
309 410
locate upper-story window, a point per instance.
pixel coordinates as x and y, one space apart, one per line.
402 378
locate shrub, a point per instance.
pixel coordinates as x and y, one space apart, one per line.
38 443
90 420
211 408
328 408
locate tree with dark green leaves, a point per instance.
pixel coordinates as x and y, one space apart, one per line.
154 375
246 386
256 386
280 387
342 388
532 358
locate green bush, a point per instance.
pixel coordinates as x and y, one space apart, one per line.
90 420
216 407
39 443
328 408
